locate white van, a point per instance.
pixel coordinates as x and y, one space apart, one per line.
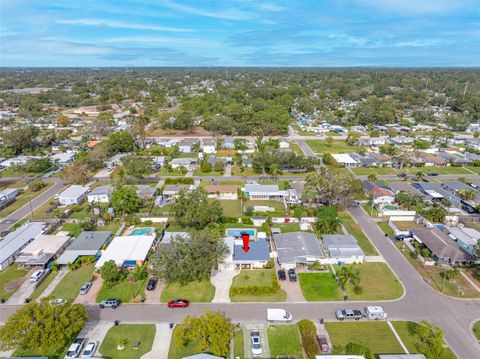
375 312
278 315
36 275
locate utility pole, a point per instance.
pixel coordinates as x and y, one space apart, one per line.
465 89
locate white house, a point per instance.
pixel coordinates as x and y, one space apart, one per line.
342 249
257 255
127 251
185 162
284 144
74 194
209 146
344 159
101 194
8 195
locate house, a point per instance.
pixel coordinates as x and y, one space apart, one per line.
100 194
75 194
115 161
257 255
12 244
43 249
359 129
127 251
185 162
454 158
209 145
345 160
467 238
429 159
228 143
444 249
186 145
283 143
264 192
171 191
381 193
8 195
88 243
168 236
342 249
145 191
364 160
371 141
166 142
400 186
222 192
63 158
382 159
401 140
435 192
297 248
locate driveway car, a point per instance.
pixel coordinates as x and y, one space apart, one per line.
90 349
349 314
281 274
256 343
152 283
323 343
178 303
292 275
58 301
110 303
75 348
85 288
35 277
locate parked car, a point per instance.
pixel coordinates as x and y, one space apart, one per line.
152 283
278 315
256 344
402 175
433 174
349 314
375 312
323 343
110 303
75 348
85 288
292 275
281 274
58 301
35 277
90 349
178 303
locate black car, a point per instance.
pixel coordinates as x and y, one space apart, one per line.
433 174
401 175
152 283
282 275
292 275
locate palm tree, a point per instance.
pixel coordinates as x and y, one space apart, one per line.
348 275
467 194
274 171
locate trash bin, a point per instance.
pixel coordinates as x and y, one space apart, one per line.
116 322
171 325
321 320
345 297
27 300
2 300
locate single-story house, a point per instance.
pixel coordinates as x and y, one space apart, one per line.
429 159
434 191
467 238
222 192
63 158
8 195
297 248
145 192
115 160
12 244
171 191
345 159
283 143
264 192
186 145
168 236
381 193
400 186
228 143
342 249
371 141
237 258
88 243
43 249
209 145
100 194
75 194
127 251
185 162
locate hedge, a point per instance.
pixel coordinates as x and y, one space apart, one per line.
308 333
272 289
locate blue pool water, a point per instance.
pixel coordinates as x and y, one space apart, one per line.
237 232
141 232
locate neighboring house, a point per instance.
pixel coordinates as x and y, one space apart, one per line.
400 186
381 194
88 243
115 161
185 162
444 249
364 160
257 256
454 158
12 244
171 191
186 145
16 161
127 251
8 195
401 140
228 143
371 141
264 192
209 145
430 160
283 143
435 192
63 158
342 249
297 249
75 194
168 236
467 238
145 192
345 160
100 194
43 249
222 192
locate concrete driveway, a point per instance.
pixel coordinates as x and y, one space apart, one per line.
161 343
24 291
222 280
91 296
247 341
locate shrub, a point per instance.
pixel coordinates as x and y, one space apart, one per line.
148 223
358 289
206 167
270 264
248 211
425 253
227 219
247 220
308 333
353 349
272 289
180 180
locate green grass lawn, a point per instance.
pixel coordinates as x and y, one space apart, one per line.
440 170
474 169
45 283
277 205
231 208
386 229
287 227
409 339
284 340
256 277
355 230
375 335
125 291
338 146
10 280
194 292
179 352
143 333
476 330
378 171
319 287
238 344
378 283
23 199
72 228
70 284
82 214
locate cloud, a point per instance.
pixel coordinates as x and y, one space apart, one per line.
417 7
120 25
228 14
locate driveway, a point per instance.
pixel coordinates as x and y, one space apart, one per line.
24 291
222 281
161 343
91 296
293 290
96 331
153 296
247 346
58 277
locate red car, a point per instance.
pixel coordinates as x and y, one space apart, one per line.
178 303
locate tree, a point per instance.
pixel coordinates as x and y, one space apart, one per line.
327 220
41 326
63 121
206 167
38 165
74 173
210 331
193 210
102 125
430 339
348 275
467 195
218 166
274 171
120 142
372 177
21 139
125 200
329 141
110 273
36 185
137 166
328 160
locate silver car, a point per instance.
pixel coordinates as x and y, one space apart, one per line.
85 288
89 349
256 343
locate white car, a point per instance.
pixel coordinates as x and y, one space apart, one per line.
35 277
90 349
256 344
58 301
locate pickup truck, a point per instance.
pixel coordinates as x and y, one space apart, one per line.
75 348
349 314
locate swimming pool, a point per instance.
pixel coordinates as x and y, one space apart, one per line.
141 232
237 232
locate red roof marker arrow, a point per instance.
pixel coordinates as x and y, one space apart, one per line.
246 240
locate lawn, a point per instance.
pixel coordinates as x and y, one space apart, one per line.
72 228
238 344
409 339
143 333
82 214
198 172
319 287
45 283
256 277
338 146
125 291
194 292
231 208
476 330
23 199
287 227
10 279
70 284
355 230
375 335
378 171
440 170
179 352
277 205
378 283
284 340
386 229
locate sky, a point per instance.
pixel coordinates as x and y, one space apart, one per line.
311 33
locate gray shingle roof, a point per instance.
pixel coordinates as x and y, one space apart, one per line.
297 247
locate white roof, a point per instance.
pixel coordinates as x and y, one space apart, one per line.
126 248
14 241
433 193
343 158
74 191
46 244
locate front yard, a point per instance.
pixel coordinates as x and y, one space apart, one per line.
131 333
10 279
284 340
125 291
254 283
355 230
320 287
45 283
194 292
70 284
338 146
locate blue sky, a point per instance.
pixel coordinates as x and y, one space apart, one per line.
239 33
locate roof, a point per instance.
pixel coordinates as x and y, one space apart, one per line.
168 236
258 251
202 356
469 236
126 248
175 188
405 187
297 247
263 188
101 190
402 356
225 188
86 244
343 158
19 238
46 243
342 245
74 191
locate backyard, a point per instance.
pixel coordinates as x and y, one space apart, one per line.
338 146
320 287
10 279
284 340
70 284
355 230
277 205
125 291
231 208
141 334
287 227
202 291
259 278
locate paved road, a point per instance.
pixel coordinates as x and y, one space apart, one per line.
307 151
25 210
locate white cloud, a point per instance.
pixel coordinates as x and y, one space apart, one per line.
417 7
229 14
120 25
